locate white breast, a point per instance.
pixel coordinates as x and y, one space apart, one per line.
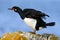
30 22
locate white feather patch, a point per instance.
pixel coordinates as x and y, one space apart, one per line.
30 22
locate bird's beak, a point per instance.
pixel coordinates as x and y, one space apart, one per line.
10 9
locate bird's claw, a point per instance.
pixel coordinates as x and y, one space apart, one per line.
32 32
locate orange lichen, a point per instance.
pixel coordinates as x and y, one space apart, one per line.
13 36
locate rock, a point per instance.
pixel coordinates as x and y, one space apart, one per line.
28 36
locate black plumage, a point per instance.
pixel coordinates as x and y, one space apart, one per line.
34 14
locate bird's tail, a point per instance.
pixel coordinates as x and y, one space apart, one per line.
50 24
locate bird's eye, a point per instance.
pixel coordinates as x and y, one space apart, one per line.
15 9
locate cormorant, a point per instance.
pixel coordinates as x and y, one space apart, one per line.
33 18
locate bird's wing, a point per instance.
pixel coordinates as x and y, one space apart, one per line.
41 14
34 13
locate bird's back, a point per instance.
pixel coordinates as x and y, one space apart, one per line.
34 13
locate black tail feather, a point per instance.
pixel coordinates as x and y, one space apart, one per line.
50 24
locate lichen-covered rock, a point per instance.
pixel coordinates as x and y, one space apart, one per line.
28 36
13 36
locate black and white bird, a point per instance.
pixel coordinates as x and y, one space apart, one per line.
33 18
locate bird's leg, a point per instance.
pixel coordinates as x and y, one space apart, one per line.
34 32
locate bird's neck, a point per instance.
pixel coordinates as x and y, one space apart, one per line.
20 12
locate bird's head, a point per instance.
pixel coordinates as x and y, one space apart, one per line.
15 8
